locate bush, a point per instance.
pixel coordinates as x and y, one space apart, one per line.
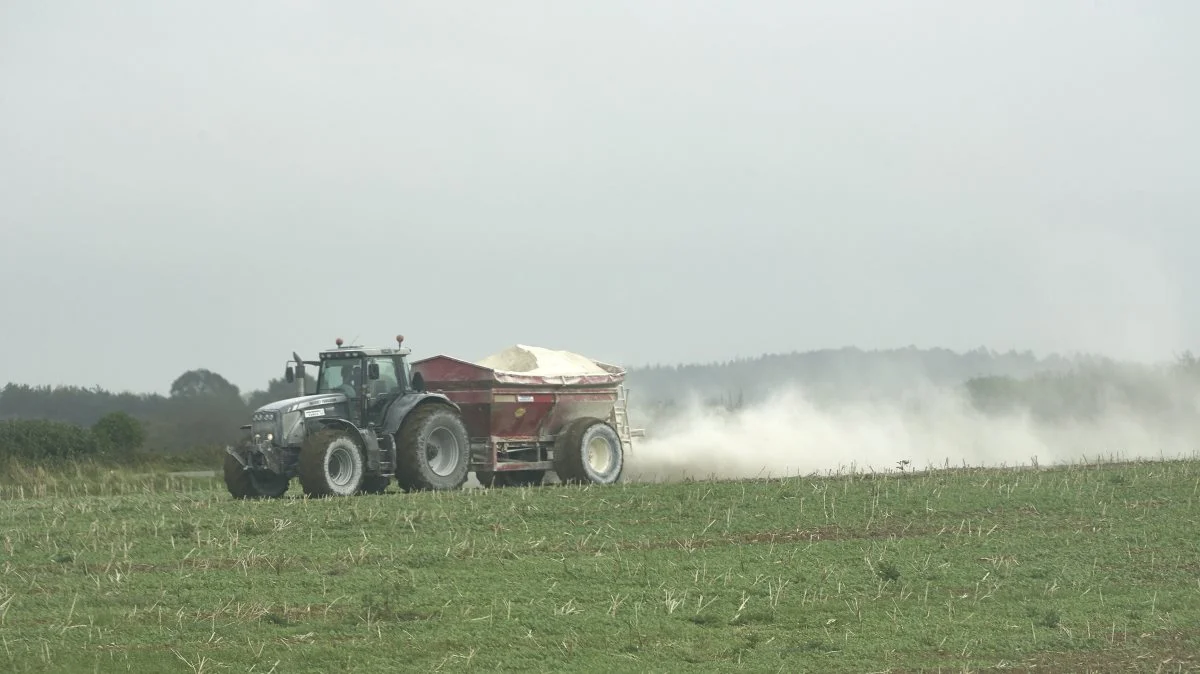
43 440
118 434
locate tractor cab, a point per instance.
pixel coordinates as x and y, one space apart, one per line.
370 378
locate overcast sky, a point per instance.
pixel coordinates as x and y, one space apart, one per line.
218 184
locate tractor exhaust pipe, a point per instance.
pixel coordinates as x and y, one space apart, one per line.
299 371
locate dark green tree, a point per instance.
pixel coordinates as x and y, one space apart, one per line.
118 433
202 382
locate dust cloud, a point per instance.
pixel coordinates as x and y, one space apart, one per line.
788 435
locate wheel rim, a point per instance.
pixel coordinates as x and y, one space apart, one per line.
340 466
442 451
600 455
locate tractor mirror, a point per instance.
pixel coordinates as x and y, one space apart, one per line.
373 371
289 373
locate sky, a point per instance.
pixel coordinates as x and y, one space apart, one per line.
219 184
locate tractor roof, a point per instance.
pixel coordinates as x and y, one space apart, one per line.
361 351
344 351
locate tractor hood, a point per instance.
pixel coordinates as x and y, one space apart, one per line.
303 402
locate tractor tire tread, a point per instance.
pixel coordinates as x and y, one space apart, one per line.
311 466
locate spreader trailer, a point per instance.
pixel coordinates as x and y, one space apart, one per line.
523 424
375 416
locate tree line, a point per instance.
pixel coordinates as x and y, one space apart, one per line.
202 413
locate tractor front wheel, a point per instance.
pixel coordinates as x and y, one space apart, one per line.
253 483
331 464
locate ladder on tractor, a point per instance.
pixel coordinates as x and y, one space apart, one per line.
620 419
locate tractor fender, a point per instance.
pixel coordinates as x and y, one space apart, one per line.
315 425
399 410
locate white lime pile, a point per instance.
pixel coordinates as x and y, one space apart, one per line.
540 362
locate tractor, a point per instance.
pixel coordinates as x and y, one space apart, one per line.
369 420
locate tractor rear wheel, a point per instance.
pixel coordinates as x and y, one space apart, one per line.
254 483
587 450
331 464
433 452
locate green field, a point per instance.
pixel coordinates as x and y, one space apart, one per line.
1088 568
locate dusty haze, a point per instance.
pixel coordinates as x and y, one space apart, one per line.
933 427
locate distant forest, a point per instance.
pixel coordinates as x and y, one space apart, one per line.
838 374
1051 388
204 410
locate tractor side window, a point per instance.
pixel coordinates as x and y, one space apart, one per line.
405 371
387 382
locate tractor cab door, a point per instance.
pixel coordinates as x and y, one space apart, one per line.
348 378
383 385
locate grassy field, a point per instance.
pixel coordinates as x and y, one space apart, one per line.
1089 568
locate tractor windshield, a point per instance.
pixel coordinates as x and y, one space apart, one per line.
340 375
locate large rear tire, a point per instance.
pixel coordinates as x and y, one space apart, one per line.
587 450
253 483
433 452
331 464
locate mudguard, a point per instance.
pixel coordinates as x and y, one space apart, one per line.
366 439
398 411
332 422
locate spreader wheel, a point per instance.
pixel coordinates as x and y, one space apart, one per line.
432 450
331 464
588 450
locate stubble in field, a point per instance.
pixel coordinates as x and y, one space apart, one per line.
1081 569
